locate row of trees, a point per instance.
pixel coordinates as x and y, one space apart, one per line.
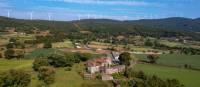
46 66
61 60
140 79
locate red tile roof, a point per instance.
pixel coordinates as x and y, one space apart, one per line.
97 62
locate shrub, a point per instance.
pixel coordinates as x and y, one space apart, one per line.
46 74
47 45
152 58
40 62
125 58
68 69
85 56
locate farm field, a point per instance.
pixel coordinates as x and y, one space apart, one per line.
177 44
170 44
65 44
189 78
141 49
26 37
175 60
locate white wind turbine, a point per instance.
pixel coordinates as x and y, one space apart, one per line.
49 16
88 16
79 17
31 15
8 13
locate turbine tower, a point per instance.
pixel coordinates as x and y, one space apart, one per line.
8 13
31 16
88 16
49 16
79 17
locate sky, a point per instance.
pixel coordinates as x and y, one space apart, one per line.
66 10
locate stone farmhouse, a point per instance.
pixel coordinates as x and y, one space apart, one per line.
103 65
97 65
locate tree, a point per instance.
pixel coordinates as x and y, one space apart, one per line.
46 74
84 56
40 62
10 45
153 58
14 53
13 40
15 78
173 83
47 45
148 43
125 58
59 60
9 54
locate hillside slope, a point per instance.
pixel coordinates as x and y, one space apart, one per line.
167 27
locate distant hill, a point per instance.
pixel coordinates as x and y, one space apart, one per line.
174 23
148 27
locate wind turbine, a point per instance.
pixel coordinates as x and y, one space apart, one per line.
88 16
8 13
31 15
49 16
79 17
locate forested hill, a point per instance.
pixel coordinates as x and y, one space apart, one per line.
174 23
149 27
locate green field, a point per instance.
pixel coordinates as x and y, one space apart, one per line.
176 60
14 64
39 53
189 78
62 78
170 43
65 44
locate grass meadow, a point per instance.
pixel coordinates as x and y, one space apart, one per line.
175 60
190 78
65 44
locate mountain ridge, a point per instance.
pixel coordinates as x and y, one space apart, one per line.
172 23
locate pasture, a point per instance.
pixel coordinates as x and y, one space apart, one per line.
14 64
175 60
190 78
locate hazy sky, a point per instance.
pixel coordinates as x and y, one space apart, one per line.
111 9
